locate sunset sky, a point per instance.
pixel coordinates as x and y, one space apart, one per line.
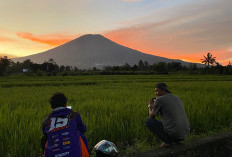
177 29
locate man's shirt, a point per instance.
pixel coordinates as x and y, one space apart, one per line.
64 135
173 115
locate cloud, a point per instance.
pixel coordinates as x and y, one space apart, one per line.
132 0
50 39
6 35
6 39
184 32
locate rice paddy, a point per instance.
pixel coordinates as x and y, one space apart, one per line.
112 107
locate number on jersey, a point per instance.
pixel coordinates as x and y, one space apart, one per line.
58 123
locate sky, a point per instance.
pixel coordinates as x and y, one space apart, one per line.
176 29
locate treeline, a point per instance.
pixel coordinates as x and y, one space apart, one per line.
50 68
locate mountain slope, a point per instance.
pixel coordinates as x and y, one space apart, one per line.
93 51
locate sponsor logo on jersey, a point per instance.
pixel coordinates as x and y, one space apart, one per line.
66 138
65 133
62 154
66 147
60 128
56 140
66 142
55 145
55 150
54 136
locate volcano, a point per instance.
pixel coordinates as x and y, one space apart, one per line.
90 51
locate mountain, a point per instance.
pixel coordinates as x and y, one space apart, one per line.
90 51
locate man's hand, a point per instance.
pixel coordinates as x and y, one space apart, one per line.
151 108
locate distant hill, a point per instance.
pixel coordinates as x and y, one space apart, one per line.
90 51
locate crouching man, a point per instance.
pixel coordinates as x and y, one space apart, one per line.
63 131
175 124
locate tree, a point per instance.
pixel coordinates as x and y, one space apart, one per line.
126 66
140 65
161 67
27 64
229 68
135 67
146 65
193 67
209 59
50 66
62 68
68 68
218 69
174 66
4 65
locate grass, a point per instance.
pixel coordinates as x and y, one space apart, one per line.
112 107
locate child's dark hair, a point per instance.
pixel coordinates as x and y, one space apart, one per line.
58 100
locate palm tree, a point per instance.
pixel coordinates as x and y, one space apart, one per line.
209 59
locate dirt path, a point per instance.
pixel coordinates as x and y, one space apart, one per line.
212 146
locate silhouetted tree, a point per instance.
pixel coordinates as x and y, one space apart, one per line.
27 64
4 65
209 59
174 66
140 65
146 65
50 66
229 68
193 67
15 67
68 68
161 67
93 69
62 68
126 66
218 69
135 67
115 68
51 61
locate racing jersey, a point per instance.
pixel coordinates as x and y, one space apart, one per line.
64 135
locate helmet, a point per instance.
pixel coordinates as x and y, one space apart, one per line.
105 148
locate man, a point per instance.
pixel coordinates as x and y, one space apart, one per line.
175 124
63 131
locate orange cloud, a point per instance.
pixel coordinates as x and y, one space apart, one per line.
6 35
129 37
4 39
51 39
154 39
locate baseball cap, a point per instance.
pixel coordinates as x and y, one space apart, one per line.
162 86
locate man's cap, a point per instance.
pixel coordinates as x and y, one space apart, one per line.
162 86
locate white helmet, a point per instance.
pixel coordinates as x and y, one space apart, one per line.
105 148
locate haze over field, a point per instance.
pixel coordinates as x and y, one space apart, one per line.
176 29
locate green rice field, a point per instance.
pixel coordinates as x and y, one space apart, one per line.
113 108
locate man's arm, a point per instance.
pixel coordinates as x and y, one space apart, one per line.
151 113
80 125
154 108
43 141
151 109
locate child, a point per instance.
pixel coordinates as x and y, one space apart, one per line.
63 131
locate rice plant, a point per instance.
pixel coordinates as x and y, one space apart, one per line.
112 107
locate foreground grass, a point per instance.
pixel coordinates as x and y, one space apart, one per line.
112 107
